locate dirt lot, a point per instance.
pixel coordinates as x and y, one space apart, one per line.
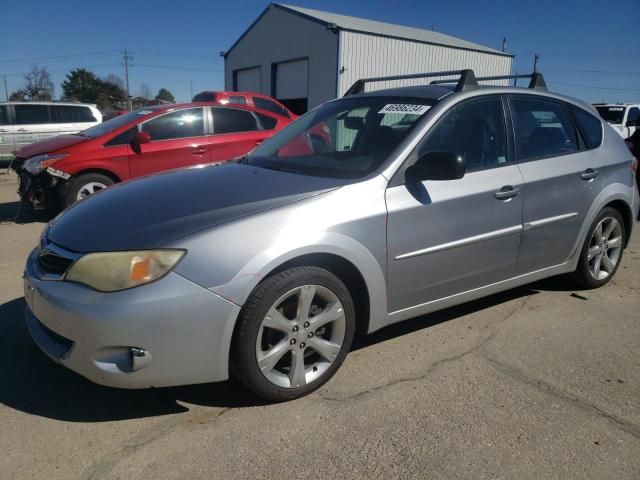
539 382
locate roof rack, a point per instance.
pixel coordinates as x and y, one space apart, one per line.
467 80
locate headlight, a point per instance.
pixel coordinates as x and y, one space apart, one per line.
37 164
113 271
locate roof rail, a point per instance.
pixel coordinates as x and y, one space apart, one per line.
467 80
537 80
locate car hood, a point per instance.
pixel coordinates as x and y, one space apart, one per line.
151 211
50 145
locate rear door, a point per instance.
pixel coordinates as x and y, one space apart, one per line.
7 141
235 132
178 139
562 178
449 237
32 123
74 118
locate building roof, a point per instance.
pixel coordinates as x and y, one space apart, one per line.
356 24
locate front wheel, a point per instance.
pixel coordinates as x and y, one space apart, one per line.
293 333
84 185
602 250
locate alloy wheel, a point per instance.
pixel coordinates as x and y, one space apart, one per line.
90 189
300 336
605 248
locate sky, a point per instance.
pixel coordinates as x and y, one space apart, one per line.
589 49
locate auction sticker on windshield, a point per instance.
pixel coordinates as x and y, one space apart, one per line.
406 108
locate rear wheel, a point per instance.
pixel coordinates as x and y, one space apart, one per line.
85 185
293 333
602 250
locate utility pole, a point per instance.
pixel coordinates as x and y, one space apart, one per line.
127 58
191 87
536 56
6 92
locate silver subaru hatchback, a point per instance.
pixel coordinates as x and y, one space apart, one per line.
366 211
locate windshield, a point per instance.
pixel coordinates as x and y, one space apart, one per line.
613 115
348 138
116 122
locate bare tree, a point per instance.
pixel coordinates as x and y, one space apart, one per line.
145 91
114 79
38 84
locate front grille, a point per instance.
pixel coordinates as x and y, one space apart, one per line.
54 264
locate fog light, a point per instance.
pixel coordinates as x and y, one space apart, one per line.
140 358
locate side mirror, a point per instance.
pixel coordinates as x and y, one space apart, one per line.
138 139
438 166
354 123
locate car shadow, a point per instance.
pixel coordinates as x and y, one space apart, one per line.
32 383
20 212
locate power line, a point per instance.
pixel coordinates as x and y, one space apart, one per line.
171 67
612 72
594 86
34 59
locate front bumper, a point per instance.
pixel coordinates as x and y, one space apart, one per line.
185 328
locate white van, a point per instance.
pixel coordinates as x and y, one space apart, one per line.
22 123
623 117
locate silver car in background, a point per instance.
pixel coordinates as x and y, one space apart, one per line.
366 211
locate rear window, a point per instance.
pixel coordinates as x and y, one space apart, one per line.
268 105
204 97
590 126
267 122
31 114
72 114
230 120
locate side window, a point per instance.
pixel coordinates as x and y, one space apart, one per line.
267 122
4 115
591 126
179 124
31 114
475 129
543 129
124 138
72 114
268 105
633 116
230 120
238 99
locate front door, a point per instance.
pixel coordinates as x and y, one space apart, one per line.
177 140
448 237
561 181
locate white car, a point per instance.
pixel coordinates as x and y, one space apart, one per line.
623 117
22 123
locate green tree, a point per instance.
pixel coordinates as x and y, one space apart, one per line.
164 94
85 86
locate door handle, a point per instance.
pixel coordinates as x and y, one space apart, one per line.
2 130
199 151
589 174
507 192
22 129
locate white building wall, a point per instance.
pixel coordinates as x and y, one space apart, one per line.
281 36
363 56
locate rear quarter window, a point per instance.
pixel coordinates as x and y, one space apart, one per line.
590 126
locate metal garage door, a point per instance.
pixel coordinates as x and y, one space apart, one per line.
247 80
292 84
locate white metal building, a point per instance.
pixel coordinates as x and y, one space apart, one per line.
305 57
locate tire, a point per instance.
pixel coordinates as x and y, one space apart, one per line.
88 183
584 273
291 334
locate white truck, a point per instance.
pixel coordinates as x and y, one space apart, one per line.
623 117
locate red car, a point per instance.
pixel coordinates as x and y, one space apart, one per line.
251 99
64 169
